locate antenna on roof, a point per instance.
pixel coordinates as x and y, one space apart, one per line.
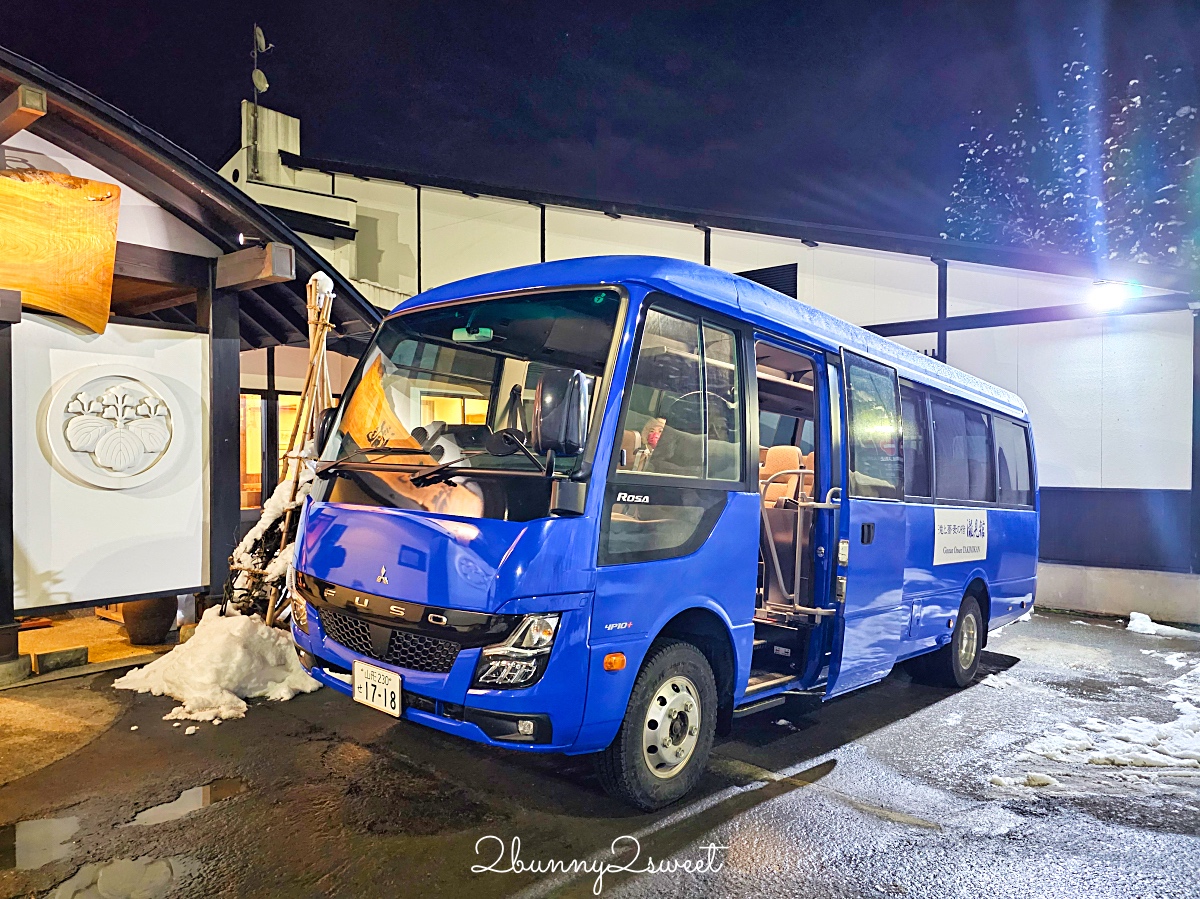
261 85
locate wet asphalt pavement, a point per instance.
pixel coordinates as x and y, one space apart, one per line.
884 792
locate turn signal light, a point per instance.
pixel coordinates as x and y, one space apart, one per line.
614 661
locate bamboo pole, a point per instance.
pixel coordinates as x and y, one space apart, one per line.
315 398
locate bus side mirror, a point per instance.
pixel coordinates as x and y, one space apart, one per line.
325 427
560 413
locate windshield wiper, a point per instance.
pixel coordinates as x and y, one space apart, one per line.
506 442
324 468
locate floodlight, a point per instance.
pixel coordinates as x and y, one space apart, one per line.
1108 296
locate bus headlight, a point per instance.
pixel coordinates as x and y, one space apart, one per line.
300 612
520 660
299 605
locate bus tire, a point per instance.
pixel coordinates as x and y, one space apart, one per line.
955 664
661 749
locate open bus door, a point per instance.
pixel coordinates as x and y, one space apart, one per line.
870 572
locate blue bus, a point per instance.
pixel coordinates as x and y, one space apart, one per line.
609 505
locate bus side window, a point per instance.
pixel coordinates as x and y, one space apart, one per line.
874 428
963 453
682 430
664 418
1012 451
724 410
916 443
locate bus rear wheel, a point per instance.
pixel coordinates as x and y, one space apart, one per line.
955 664
662 747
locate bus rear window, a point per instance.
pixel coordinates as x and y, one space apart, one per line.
1012 456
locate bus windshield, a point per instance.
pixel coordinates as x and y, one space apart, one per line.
465 370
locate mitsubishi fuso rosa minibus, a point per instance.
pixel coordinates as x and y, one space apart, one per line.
609 505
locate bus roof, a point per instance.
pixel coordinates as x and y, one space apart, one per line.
734 296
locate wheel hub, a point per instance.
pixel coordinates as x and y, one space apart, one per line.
968 641
672 727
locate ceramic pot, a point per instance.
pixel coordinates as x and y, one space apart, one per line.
148 621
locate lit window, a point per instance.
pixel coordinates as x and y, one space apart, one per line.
252 451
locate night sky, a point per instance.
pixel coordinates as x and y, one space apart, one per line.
836 112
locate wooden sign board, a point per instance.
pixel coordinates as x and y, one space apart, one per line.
58 243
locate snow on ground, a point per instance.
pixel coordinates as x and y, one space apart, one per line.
1174 659
1133 742
998 681
229 659
1140 623
1028 616
1033 779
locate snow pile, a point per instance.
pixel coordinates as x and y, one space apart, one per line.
1133 742
1143 624
249 553
229 659
1033 779
273 509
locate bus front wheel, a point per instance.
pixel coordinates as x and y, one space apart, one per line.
662 747
955 664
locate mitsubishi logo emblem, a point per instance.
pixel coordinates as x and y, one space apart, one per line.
382 579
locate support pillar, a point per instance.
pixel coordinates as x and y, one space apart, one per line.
943 305
270 429
217 310
10 313
1195 492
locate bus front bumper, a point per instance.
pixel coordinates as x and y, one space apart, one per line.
544 717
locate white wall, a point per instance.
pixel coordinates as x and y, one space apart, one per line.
337 251
578 232
1164 596
141 221
386 246
868 287
463 236
75 542
739 251
865 287
1110 398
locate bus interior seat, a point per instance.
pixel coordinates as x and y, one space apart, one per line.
794 487
785 524
631 442
779 458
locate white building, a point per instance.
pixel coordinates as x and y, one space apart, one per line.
1110 388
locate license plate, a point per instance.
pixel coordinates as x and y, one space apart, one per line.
377 687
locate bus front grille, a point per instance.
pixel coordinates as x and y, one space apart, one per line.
405 649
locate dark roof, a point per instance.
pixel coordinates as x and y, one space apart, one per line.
733 295
1164 277
140 157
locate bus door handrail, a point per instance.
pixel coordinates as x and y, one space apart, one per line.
828 504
